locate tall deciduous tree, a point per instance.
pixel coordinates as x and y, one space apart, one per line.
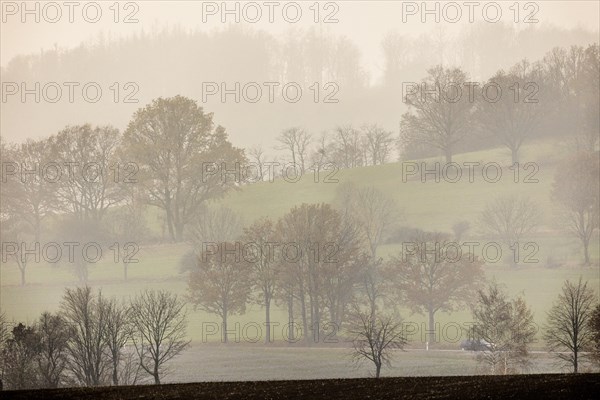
262 259
379 144
296 141
321 260
160 323
16 242
220 284
569 331
576 188
54 334
183 158
347 147
512 105
374 338
90 183
29 190
508 328
118 330
510 218
431 275
440 111
87 363
595 323
28 197
19 358
375 214
573 78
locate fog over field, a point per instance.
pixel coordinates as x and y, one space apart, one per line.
237 191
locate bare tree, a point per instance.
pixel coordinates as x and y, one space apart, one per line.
374 211
595 323
262 260
54 335
380 143
92 185
212 225
296 141
342 274
323 153
89 233
19 358
216 224
576 188
442 120
220 283
510 218
569 330
87 363
507 327
514 112
257 156
375 214
17 240
159 318
30 196
573 77
4 331
374 339
4 336
347 147
118 330
127 226
430 275
324 265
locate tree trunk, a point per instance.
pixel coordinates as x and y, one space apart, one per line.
586 252
316 322
37 227
170 227
575 361
377 370
431 333
304 321
448 154
224 327
514 152
179 231
115 374
292 329
371 290
169 214
268 319
155 374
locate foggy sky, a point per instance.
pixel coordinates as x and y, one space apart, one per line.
364 22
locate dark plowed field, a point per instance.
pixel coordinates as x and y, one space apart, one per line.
555 386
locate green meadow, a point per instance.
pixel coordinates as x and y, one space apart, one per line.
428 206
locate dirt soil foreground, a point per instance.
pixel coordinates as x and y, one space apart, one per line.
542 386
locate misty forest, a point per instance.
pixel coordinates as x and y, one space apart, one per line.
433 211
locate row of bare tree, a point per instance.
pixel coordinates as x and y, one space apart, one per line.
556 94
502 331
94 340
447 110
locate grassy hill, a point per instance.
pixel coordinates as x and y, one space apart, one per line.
429 206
